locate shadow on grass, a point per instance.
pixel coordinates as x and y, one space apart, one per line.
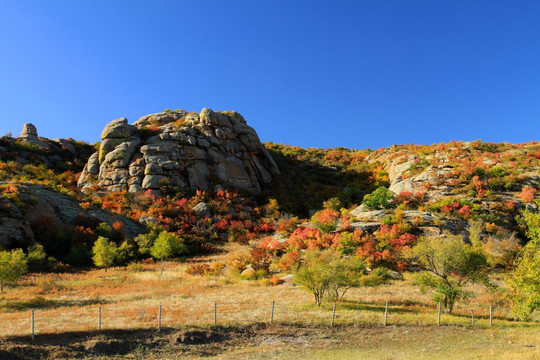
370 306
40 302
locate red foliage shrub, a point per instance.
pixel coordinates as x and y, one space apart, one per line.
289 261
276 280
260 259
527 194
410 200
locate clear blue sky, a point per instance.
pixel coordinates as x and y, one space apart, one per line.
357 74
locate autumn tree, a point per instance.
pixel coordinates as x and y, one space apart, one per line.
13 265
328 272
166 246
105 252
450 264
315 274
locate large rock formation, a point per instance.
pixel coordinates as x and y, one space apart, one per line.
35 202
179 149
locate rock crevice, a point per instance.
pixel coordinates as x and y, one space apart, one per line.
190 151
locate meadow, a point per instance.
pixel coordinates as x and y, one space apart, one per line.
66 308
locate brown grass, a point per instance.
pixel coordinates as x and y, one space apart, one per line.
68 304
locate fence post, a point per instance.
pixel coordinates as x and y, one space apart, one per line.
215 315
272 314
333 314
490 315
33 338
439 317
386 314
472 317
99 318
159 318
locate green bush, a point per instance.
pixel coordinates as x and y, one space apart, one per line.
382 198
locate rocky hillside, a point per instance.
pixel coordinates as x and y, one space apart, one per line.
459 180
175 151
38 195
180 171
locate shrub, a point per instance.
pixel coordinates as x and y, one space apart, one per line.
105 252
328 272
382 198
527 194
450 264
38 260
276 280
326 220
523 281
198 269
13 265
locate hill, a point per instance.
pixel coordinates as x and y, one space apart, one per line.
207 177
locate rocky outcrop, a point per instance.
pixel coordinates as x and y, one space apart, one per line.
179 150
427 223
29 136
35 202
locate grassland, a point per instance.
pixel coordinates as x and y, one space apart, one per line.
66 319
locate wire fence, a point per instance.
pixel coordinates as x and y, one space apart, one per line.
214 314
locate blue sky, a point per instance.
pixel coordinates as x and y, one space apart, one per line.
357 74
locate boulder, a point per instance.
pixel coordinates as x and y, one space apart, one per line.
60 210
29 131
202 209
118 129
188 149
29 136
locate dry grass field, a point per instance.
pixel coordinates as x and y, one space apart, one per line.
66 319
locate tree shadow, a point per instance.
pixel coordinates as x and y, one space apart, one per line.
40 302
375 307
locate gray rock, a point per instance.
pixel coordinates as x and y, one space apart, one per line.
160 119
369 227
93 164
360 214
186 151
29 131
394 275
214 119
118 129
152 181
203 143
65 144
199 175
202 209
153 169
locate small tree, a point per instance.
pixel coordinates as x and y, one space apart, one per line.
524 280
329 272
13 265
105 252
146 241
382 198
450 265
166 246
37 259
347 273
315 274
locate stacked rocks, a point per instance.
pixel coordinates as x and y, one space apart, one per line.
29 136
184 150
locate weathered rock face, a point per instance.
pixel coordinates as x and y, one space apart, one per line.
29 130
61 210
179 149
29 136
